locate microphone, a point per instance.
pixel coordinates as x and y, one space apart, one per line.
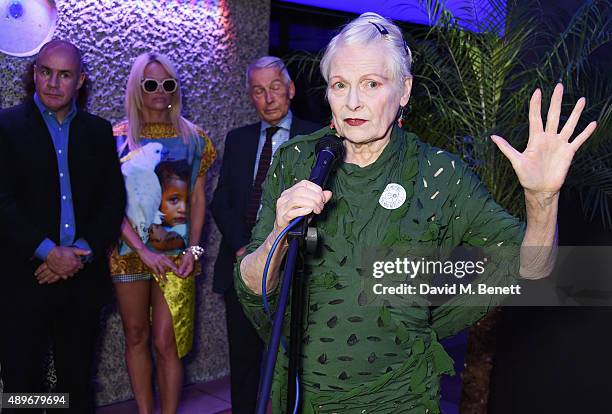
329 150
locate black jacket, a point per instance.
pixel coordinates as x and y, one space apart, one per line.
233 192
30 197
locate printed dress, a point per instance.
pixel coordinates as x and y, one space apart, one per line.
159 179
363 354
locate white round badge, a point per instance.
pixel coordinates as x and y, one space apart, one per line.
393 196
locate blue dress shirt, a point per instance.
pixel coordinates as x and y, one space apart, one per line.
278 139
59 135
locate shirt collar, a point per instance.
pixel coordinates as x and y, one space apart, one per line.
47 112
284 123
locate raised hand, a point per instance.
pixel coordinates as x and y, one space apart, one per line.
542 167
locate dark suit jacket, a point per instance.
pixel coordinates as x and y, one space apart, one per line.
233 192
30 199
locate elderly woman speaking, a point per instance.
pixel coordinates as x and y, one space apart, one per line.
392 190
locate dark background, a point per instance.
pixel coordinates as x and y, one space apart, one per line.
295 28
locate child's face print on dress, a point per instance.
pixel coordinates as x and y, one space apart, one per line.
175 194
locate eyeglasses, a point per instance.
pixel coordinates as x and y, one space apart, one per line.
152 85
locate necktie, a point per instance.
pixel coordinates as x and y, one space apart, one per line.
262 169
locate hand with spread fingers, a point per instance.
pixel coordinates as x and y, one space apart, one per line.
541 169
543 165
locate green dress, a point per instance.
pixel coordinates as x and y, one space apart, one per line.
360 354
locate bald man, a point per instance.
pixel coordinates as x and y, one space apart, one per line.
62 200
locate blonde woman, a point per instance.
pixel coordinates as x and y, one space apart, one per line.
164 159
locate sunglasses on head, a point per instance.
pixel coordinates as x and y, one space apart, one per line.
152 85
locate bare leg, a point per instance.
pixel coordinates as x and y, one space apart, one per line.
133 299
169 366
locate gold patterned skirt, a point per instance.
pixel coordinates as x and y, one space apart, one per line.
178 292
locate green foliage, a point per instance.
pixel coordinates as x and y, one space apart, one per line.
470 85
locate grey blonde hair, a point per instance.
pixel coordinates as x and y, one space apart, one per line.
367 29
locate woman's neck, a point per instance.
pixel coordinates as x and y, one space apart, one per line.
364 154
156 117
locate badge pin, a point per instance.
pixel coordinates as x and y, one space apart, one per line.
393 197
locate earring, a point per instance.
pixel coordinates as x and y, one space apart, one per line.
400 119
331 125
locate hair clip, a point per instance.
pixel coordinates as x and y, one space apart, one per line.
381 29
385 33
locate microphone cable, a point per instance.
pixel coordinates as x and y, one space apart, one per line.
266 304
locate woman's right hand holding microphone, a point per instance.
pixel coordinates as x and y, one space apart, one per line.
302 199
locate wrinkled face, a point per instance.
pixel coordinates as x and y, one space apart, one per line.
57 78
270 95
174 202
363 97
158 100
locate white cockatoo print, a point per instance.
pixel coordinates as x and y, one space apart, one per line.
143 187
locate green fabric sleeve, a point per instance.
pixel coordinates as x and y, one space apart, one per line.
499 234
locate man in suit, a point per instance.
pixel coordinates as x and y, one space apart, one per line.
62 200
248 154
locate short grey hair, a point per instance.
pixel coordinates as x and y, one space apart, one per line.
366 29
266 62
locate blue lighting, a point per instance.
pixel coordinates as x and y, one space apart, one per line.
411 11
16 9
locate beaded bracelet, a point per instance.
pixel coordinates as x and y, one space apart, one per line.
196 251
